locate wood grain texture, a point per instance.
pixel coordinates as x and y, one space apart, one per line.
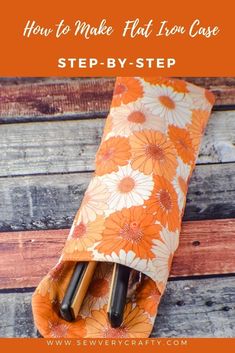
206 248
218 143
22 251
51 201
5 81
208 82
49 147
189 308
62 147
60 98
35 194
197 308
56 99
211 192
16 315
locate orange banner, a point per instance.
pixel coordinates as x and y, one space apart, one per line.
162 345
81 38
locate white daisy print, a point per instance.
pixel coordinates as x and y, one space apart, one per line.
168 104
180 182
127 188
128 259
94 202
164 250
135 117
201 98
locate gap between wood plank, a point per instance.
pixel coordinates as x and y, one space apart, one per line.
83 116
170 279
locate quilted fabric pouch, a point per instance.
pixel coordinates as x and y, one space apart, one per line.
132 210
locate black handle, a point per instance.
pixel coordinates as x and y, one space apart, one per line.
118 294
78 273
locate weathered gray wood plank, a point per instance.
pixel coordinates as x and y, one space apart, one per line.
50 201
211 192
16 314
218 143
49 147
197 308
62 147
190 308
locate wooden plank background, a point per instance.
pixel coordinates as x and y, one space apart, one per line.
50 201
61 98
199 252
70 146
190 308
50 131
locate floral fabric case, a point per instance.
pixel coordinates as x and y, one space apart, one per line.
132 210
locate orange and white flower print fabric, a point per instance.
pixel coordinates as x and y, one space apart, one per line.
132 210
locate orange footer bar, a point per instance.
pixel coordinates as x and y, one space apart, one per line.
162 345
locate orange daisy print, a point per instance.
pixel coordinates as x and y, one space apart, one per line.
178 85
56 281
152 152
126 90
135 324
183 143
148 296
85 235
50 324
98 292
210 97
131 211
198 125
130 229
164 203
113 153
